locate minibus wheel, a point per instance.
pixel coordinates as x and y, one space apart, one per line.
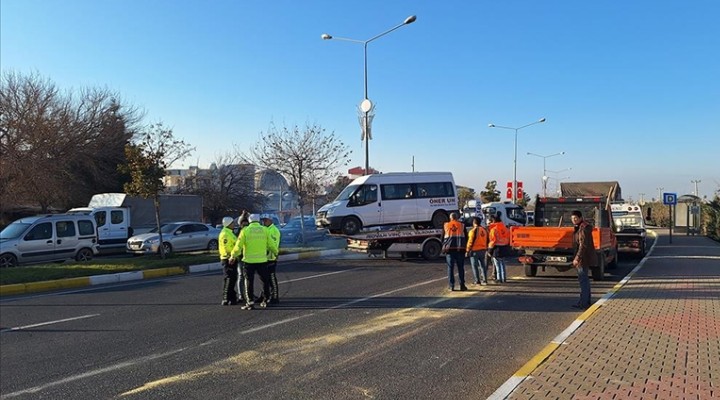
439 219
350 226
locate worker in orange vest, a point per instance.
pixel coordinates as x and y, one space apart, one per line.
476 247
454 249
499 246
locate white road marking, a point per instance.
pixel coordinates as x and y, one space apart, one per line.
19 328
89 374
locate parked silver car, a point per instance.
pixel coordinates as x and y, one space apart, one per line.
44 238
291 232
177 237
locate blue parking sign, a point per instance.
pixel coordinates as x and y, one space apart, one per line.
670 199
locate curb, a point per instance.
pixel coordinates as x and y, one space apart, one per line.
524 372
71 283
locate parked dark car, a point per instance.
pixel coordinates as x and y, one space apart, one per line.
291 232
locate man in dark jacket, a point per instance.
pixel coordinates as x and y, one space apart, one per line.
584 256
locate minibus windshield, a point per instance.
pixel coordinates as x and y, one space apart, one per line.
346 193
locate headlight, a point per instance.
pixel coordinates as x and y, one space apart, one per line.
152 241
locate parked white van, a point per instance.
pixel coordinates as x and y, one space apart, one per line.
424 199
44 238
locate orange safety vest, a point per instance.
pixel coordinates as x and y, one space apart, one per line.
499 234
477 239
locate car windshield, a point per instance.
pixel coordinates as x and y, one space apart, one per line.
166 228
346 193
13 230
630 221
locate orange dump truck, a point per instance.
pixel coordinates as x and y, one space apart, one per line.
549 243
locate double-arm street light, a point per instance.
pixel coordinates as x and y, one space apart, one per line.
366 105
514 188
544 175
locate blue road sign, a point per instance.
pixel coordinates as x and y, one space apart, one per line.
670 199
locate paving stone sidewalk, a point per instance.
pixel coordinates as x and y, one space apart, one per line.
658 337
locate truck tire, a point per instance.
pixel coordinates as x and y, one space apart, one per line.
84 255
614 263
598 273
431 250
439 219
350 226
530 270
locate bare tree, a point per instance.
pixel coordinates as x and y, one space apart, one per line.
50 138
147 162
227 188
305 157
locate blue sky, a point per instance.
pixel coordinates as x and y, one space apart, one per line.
630 90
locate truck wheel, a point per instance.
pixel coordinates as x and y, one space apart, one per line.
614 263
350 226
8 260
598 273
530 270
84 255
431 250
439 219
213 245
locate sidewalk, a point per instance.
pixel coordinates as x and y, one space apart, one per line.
655 337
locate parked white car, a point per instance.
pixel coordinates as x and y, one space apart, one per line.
177 237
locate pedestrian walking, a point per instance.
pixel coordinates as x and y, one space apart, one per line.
475 250
454 248
498 246
254 245
272 259
226 243
584 256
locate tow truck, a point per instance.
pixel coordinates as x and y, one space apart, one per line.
404 239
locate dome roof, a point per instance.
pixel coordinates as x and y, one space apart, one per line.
270 180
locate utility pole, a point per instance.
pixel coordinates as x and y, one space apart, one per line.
696 181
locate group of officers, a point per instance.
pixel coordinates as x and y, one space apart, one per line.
252 250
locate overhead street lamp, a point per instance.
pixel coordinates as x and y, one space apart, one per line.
660 197
514 191
696 181
366 105
544 175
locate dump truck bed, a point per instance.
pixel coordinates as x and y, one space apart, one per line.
532 237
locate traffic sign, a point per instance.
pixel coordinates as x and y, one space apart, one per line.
670 199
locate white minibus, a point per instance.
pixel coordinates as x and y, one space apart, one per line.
424 199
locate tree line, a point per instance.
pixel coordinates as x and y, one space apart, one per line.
59 147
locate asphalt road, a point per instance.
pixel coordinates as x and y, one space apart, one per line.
348 327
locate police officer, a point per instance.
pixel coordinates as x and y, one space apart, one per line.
272 259
226 241
254 244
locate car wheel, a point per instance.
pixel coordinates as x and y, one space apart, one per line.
439 219
298 239
168 248
350 226
84 255
8 260
213 245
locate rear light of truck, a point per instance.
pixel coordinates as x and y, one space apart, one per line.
526 260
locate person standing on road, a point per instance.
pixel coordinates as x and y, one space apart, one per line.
242 222
226 243
475 250
498 246
454 245
272 259
584 256
254 244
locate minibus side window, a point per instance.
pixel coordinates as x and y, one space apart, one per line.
365 194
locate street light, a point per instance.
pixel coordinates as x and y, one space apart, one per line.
366 105
544 175
696 181
514 188
660 197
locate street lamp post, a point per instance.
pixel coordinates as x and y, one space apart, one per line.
514 188
366 105
696 181
544 175
660 197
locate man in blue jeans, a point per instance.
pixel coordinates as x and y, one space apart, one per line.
584 257
454 246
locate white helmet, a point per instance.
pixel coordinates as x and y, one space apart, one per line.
254 218
227 221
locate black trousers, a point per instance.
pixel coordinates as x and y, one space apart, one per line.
274 290
230 280
262 270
